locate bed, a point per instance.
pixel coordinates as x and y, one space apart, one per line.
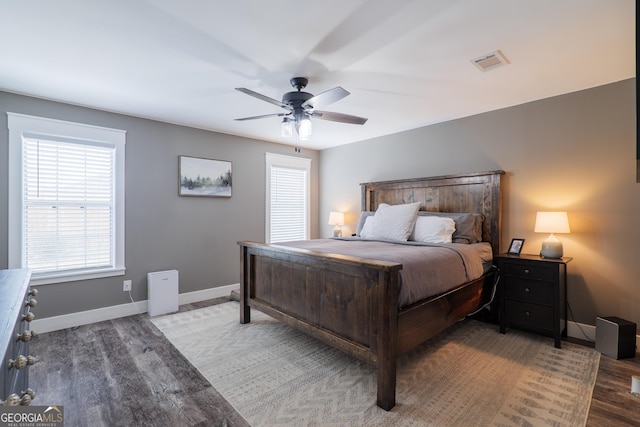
352 303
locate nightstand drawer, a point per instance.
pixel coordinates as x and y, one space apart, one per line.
529 290
529 271
529 315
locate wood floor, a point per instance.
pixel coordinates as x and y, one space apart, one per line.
612 403
124 372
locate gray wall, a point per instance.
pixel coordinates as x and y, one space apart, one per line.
574 152
197 236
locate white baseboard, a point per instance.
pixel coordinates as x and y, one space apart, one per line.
71 320
588 332
581 331
205 294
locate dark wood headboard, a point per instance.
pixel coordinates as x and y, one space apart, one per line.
479 192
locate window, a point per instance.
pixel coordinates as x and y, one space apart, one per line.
287 210
66 199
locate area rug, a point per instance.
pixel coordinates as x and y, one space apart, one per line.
467 375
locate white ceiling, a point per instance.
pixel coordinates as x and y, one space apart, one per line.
405 62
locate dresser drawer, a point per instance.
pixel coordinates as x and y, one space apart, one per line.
529 290
529 271
529 315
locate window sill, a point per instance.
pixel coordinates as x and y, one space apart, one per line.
51 278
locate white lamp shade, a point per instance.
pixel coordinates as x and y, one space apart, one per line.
336 218
552 222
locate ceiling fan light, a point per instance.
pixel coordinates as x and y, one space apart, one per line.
304 130
286 129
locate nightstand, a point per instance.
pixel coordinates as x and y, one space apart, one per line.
533 294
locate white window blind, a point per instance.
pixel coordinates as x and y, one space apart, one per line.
287 198
68 205
66 199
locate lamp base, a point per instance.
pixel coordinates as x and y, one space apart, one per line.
551 248
337 231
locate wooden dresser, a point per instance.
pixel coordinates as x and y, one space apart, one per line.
16 303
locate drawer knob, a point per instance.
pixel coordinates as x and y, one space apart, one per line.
25 336
27 396
32 302
528 313
30 392
12 400
527 290
25 400
33 292
527 271
29 317
19 363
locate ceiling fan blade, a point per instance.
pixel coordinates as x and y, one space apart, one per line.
263 116
325 98
264 98
339 117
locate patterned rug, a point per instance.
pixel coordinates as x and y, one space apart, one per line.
467 375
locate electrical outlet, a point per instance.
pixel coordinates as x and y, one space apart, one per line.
126 285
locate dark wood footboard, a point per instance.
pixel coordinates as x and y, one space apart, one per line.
349 303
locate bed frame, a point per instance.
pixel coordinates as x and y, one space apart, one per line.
352 303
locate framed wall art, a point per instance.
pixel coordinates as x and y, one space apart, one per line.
201 177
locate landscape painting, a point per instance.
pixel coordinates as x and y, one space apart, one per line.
204 177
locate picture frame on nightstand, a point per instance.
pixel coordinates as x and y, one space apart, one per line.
515 247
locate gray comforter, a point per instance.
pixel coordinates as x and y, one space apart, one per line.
427 269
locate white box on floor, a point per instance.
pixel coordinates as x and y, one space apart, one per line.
162 291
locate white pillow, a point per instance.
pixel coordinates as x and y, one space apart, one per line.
391 222
433 229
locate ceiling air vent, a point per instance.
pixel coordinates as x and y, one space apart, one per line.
490 61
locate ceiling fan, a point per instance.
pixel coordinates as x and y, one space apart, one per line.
301 106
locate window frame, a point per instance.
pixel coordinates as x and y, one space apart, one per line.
291 162
23 126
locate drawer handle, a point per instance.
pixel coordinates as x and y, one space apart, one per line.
22 361
527 271
19 363
12 400
528 313
25 336
29 392
27 396
527 290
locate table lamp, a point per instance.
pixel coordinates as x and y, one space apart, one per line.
551 222
337 219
